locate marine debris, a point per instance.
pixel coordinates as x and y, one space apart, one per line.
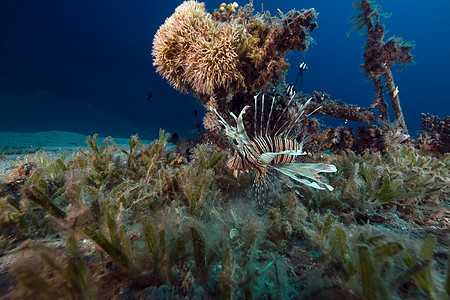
338 109
380 56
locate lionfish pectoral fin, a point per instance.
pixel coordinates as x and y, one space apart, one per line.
267 157
326 168
309 171
293 176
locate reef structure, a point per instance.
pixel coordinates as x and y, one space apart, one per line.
231 51
435 134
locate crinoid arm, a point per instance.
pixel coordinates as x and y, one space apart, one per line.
310 171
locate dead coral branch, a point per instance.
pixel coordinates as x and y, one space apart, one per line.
339 109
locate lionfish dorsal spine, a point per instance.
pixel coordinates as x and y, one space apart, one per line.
255 113
281 115
270 115
296 119
262 116
242 134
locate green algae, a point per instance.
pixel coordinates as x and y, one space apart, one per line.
155 223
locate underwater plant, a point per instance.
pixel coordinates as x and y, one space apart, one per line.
139 223
383 263
401 180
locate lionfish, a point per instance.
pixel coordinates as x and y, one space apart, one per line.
272 148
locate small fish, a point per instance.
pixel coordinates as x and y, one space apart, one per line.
174 138
198 127
396 91
149 95
303 66
195 112
290 90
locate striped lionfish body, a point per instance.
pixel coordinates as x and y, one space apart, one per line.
272 148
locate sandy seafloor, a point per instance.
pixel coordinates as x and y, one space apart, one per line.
15 147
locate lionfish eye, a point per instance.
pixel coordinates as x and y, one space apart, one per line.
235 142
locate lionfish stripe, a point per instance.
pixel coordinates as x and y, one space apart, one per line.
256 110
262 115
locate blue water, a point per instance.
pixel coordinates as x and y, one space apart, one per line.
85 66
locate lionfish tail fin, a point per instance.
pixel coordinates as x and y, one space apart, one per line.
309 171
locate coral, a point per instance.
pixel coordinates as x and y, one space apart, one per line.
337 139
143 221
380 57
370 137
343 138
322 104
212 63
228 52
189 23
435 134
